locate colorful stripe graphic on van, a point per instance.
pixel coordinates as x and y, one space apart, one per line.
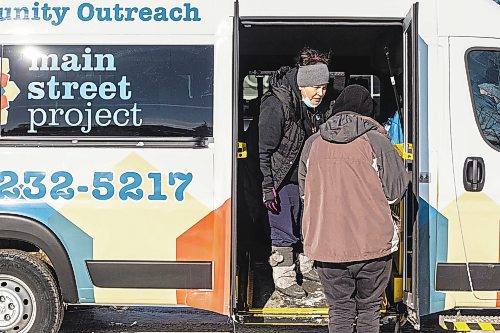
441 243
209 240
433 248
475 240
77 243
112 205
8 91
145 229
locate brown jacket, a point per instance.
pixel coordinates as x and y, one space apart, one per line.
348 174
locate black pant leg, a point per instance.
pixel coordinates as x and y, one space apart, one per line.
371 281
339 286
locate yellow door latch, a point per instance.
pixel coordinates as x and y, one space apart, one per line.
242 150
406 155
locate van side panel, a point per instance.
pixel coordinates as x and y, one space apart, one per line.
433 225
114 228
474 212
138 201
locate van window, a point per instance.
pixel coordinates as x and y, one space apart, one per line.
484 79
370 82
107 91
250 86
253 86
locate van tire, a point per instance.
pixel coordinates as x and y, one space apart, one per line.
29 294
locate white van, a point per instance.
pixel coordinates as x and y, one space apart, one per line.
120 123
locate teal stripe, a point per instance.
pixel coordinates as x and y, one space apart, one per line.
433 226
77 243
438 252
433 249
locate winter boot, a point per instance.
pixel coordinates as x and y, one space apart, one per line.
284 276
306 268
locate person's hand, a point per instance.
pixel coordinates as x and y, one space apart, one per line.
271 200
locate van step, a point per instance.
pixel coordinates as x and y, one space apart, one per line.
470 323
290 316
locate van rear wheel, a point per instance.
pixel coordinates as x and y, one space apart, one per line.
29 295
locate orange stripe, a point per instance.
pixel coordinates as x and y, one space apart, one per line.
3 102
498 294
209 240
5 80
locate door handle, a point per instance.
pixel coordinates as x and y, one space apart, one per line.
474 174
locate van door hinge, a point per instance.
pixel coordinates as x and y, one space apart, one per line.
424 177
242 150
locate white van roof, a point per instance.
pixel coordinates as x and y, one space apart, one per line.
474 18
437 17
324 8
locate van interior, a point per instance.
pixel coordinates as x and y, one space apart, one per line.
358 56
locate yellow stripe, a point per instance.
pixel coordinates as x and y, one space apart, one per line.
398 289
290 311
486 327
461 326
284 323
282 315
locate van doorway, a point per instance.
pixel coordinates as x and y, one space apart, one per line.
359 51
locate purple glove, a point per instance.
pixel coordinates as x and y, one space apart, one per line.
271 200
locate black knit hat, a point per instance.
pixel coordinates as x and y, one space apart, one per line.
354 98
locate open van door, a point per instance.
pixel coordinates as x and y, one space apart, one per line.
410 129
475 134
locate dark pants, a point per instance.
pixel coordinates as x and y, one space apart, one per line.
285 226
355 289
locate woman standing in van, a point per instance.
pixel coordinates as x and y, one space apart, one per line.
289 114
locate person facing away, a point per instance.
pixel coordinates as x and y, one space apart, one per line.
290 112
348 174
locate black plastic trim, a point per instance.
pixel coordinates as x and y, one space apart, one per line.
151 274
319 23
410 26
454 277
106 142
33 232
234 161
279 20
